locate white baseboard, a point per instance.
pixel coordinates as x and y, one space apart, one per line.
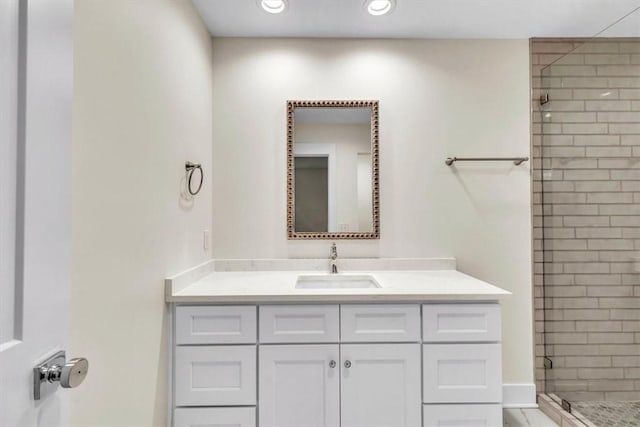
519 396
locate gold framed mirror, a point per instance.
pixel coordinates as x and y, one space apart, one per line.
333 178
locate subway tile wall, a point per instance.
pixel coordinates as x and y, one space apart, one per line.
586 217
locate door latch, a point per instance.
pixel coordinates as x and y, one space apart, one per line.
57 371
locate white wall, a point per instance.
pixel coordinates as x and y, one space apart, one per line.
437 99
142 107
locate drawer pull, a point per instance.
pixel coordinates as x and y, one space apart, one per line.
332 364
347 364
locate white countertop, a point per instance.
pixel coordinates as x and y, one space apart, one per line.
275 286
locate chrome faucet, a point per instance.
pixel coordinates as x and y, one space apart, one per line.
334 257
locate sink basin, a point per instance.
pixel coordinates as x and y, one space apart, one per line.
336 281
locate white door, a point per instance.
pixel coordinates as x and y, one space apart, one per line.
299 386
36 86
381 385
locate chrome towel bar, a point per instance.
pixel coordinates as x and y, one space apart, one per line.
516 160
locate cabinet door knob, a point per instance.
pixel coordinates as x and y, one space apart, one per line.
332 364
347 364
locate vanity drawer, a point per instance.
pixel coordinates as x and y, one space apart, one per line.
215 375
214 417
462 415
215 324
457 373
380 322
461 322
299 323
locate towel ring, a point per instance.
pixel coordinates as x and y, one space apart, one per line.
190 168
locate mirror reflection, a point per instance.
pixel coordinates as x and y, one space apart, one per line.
332 169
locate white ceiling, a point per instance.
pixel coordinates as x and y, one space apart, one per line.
450 19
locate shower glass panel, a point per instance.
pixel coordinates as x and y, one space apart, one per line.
591 225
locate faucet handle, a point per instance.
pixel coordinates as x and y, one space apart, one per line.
333 257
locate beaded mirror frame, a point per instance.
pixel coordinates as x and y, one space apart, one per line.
375 172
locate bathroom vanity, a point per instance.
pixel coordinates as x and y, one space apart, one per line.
266 348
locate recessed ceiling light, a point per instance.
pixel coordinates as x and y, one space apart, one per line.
380 7
273 6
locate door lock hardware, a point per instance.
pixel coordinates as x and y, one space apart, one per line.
56 370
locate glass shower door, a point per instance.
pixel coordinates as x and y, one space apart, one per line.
590 174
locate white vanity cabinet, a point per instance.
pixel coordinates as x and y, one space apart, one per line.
461 365
214 366
340 384
310 385
337 365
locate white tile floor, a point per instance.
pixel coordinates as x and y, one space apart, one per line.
526 418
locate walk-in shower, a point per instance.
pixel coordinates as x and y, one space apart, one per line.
587 215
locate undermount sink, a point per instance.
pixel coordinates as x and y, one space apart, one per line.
336 281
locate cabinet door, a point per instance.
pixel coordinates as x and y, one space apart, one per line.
214 417
299 386
380 323
381 385
461 322
215 324
462 415
456 373
295 323
215 375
